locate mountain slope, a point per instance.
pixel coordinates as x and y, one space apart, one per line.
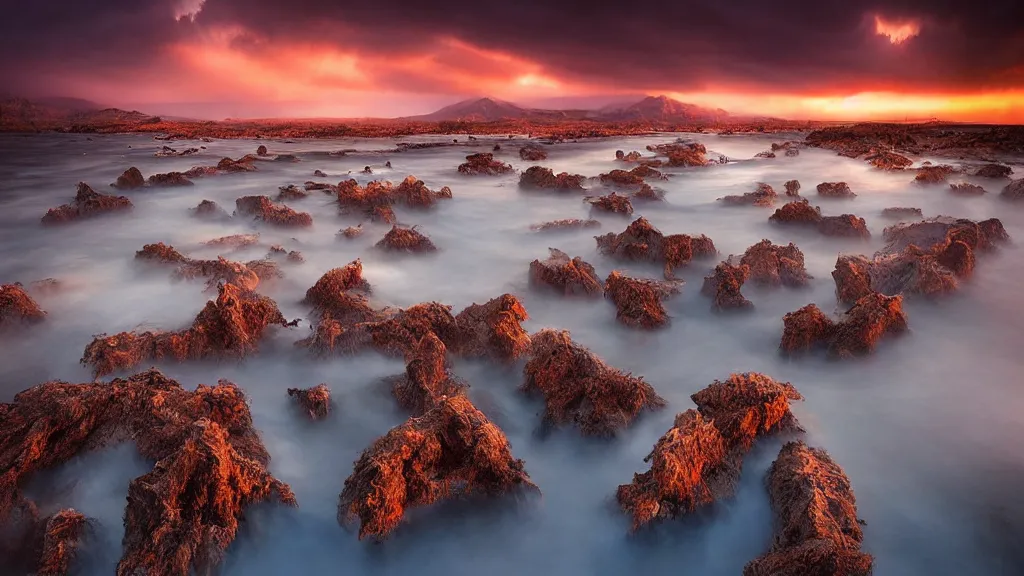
663 108
650 109
477 110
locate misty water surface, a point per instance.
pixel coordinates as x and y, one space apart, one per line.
928 429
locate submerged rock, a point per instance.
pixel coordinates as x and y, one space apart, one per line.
681 153
234 241
993 171
856 333
966 189
792 187
169 179
887 160
315 402
613 203
485 164
545 178
844 226
797 212
1013 191
262 209
643 242
87 204
230 326
532 153
638 300
400 239
933 174
902 213
452 450
724 284
818 530
413 193
17 307
291 192
427 380
804 329
774 265
161 252
579 388
763 196
835 190
493 330
570 276
130 180
567 224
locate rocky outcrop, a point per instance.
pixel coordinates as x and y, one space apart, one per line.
209 210
802 213
613 203
315 402
17 308
181 516
168 180
993 171
856 333
532 153
263 210
569 276
638 301
797 212
290 192
544 178
261 150
579 388
483 163
681 153
723 286
493 330
160 252
767 154
643 242
351 232
401 239
324 294
933 174
844 226
567 224
816 513
792 187
451 450
413 193
888 160
966 189
87 204
774 265
835 190
131 179
698 461
230 326
1013 191
763 196
427 380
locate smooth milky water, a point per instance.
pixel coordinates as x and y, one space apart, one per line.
928 428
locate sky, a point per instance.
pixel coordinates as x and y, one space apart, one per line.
829 60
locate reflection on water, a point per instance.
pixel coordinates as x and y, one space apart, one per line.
926 429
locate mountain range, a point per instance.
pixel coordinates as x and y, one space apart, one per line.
650 108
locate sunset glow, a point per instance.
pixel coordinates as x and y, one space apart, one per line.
898 31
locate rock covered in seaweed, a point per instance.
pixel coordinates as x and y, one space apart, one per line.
792 187
315 402
545 178
262 209
638 301
855 333
818 530
724 284
764 195
567 224
483 163
401 239
570 276
451 450
579 388
746 406
209 210
613 203
835 190
17 307
493 329
427 379
773 265
87 204
532 153
641 241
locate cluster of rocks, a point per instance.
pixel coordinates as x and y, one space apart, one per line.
765 263
856 333
483 163
681 153
87 204
641 241
17 308
375 200
801 213
132 179
544 178
261 208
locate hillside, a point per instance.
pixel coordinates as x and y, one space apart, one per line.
650 109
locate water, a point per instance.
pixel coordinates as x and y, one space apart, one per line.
927 429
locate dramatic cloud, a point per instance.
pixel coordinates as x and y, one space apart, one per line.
826 57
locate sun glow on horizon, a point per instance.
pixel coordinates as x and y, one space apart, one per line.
898 31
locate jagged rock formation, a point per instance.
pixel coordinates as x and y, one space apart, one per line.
724 284
87 204
262 209
209 210
835 190
400 239
641 241
315 402
493 330
570 276
774 265
17 307
427 380
763 196
638 300
483 163
131 179
613 203
856 333
545 178
792 187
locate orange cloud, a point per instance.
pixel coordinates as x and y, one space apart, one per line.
898 31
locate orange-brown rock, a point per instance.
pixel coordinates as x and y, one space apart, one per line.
818 530
291 192
844 226
622 178
792 187
262 209
365 200
641 241
690 469
324 187
638 300
209 210
427 379
888 160
567 224
245 276
229 166
681 153
933 174
724 284
747 406
579 388
169 179
17 307
763 196
631 157
131 179
797 212
1013 191
646 192
414 193
993 171
326 292
400 239
902 213
570 276
493 329
63 534
451 450
613 203
230 326
805 329
261 150
774 265
483 163
234 241
966 189
532 153
87 204
540 177
160 252
835 190
210 465
351 232
315 402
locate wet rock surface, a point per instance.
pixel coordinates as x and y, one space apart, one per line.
818 531
566 224
614 203
569 276
966 189
887 160
532 153
545 178
451 450
401 239
641 241
763 196
169 179
1013 191
262 209
580 389
427 380
993 171
933 174
792 187
855 333
87 204
130 180
483 163
723 286
638 301
17 308
773 265
835 190
315 402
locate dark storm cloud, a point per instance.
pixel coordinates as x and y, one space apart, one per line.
788 45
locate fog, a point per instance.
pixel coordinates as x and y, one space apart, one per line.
928 428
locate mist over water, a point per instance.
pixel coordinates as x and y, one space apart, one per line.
928 428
